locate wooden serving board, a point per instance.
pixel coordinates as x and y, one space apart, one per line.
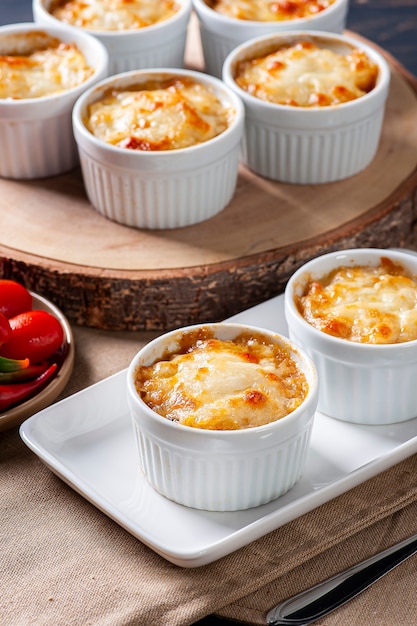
105 275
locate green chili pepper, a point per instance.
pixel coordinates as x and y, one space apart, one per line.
27 373
13 365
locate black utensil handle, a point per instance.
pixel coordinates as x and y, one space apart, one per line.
308 606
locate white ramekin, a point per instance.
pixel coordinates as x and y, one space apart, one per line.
160 45
36 135
165 189
362 383
307 145
221 470
220 34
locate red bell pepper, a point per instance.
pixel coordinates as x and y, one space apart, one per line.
15 393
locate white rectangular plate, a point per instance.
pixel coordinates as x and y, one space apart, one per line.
87 440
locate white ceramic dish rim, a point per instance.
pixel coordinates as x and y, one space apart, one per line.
247 49
128 78
66 35
154 350
209 535
248 24
147 32
351 349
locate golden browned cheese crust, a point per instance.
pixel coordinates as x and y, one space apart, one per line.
224 385
267 11
304 74
376 305
38 65
166 115
113 15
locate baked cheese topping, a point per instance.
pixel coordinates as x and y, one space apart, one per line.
267 11
167 115
224 385
376 305
113 15
39 65
306 75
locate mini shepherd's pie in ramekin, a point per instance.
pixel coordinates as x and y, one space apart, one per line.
159 148
43 71
222 414
137 34
355 313
225 24
314 103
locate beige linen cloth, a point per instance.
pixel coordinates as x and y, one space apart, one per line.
64 563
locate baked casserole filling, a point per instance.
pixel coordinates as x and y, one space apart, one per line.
267 11
164 115
375 305
38 65
113 15
304 74
223 384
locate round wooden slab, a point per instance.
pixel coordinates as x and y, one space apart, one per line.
109 276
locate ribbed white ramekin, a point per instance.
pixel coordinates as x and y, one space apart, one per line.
221 470
310 145
36 135
220 34
164 189
160 45
362 383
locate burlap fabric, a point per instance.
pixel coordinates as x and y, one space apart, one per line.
64 563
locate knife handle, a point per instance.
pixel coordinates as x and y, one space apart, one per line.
308 606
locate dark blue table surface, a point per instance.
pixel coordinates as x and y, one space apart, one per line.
392 24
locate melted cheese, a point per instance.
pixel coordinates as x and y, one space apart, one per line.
376 305
164 116
267 11
113 15
224 385
40 65
307 75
